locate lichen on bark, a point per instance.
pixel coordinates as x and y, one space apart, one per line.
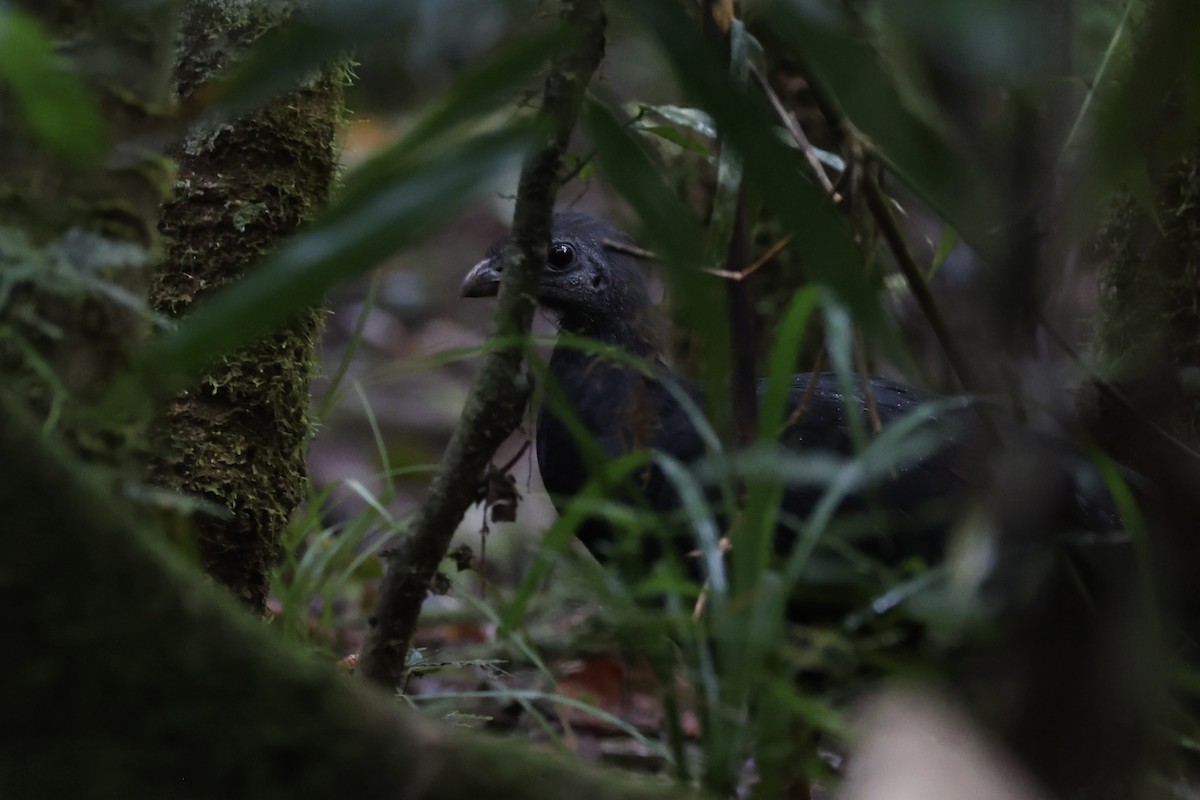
237 437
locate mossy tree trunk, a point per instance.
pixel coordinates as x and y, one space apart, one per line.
77 218
133 679
237 438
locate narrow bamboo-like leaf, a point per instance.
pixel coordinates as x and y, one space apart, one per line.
945 247
667 220
773 170
850 73
839 344
1135 128
700 519
729 161
788 341
481 89
667 133
326 30
299 274
691 118
677 238
764 498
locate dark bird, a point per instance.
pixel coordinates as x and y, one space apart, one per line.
1030 496
594 287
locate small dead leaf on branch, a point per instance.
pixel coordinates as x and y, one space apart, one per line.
440 585
498 492
462 556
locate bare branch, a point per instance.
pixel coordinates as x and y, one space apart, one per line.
494 407
878 203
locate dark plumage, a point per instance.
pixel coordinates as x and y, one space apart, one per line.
595 289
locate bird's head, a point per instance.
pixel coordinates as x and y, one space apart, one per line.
591 282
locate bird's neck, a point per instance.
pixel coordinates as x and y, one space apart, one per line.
636 334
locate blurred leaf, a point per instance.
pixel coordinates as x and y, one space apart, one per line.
782 364
945 247
729 163
1099 76
325 31
671 135
772 169
477 91
675 236
905 442
691 118
700 519
848 70
355 237
666 220
55 103
1153 113
764 498
487 84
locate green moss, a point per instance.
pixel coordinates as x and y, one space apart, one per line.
237 439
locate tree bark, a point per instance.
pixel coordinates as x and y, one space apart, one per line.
494 406
134 679
238 437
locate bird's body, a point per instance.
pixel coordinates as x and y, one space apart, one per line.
609 404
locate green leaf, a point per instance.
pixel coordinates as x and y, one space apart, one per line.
1151 115
327 30
729 161
848 70
673 136
775 171
691 118
478 91
55 103
675 235
945 247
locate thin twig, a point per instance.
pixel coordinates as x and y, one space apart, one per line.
793 127
750 270
494 406
860 357
629 249
877 202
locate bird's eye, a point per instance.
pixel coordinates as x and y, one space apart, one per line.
561 256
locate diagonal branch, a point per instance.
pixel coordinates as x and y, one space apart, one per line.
878 203
495 404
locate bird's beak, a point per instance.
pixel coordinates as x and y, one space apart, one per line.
483 280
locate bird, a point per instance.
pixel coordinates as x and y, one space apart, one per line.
623 396
1026 492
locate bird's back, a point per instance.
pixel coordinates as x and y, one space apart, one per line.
616 409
